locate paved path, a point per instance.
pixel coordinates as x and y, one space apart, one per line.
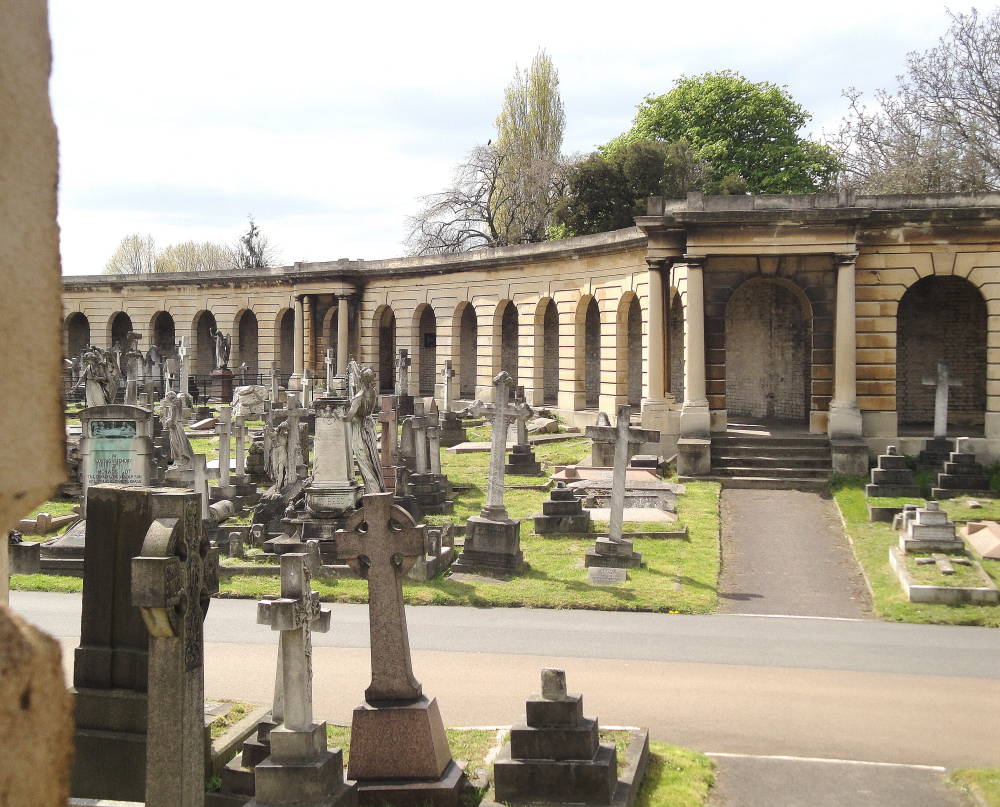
784 552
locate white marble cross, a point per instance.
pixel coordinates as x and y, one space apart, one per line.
182 367
624 434
224 429
403 372
331 368
200 483
274 383
296 614
381 543
434 438
447 374
241 458
502 412
943 381
419 424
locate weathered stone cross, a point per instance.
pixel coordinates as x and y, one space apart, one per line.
502 412
331 368
434 438
403 372
942 382
296 614
381 543
274 384
182 367
447 374
622 434
294 413
223 429
419 423
241 454
387 418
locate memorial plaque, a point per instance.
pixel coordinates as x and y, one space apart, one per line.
116 445
606 575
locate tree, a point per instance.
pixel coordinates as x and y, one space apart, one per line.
192 256
253 251
940 131
136 255
504 192
745 132
608 192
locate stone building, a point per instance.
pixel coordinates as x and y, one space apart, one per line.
823 311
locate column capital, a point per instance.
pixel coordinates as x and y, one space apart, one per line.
659 263
844 258
697 261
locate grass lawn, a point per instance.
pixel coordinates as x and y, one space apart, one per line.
985 781
676 777
871 542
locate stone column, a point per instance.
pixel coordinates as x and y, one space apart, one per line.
845 416
694 444
658 408
298 358
308 333
343 336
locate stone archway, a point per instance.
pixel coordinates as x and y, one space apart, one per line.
163 332
76 334
941 318
246 344
628 354
468 350
547 350
426 325
588 352
768 352
385 322
119 327
204 346
284 351
675 350
506 319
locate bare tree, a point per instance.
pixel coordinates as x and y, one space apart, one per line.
194 256
136 255
940 131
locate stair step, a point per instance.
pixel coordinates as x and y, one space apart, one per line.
739 449
818 440
771 462
777 472
762 482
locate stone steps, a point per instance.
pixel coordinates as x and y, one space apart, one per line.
802 462
762 461
762 482
776 472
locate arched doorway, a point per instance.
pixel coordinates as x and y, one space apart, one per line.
163 333
588 344
329 336
203 350
675 350
506 317
245 345
285 350
76 334
119 327
385 322
629 352
468 350
941 318
547 350
426 324
768 351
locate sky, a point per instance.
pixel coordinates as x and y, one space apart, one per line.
328 121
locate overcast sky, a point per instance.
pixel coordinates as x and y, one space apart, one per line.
327 121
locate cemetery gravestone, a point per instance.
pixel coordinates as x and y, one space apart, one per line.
173 580
522 459
404 401
381 543
892 477
452 430
962 474
387 440
116 446
562 512
937 449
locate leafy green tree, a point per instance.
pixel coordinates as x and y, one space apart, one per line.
747 133
253 251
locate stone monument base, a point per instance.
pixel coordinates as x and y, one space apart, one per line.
109 759
404 405
521 460
613 554
301 770
562 512
452 430
491 547
400 755
222 385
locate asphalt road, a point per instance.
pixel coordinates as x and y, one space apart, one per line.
732 684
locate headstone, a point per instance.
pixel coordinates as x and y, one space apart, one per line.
614 551
241 454
522 459
183 382
236 545
36 716
429 487
381 543
892 477
404 401
173 580
942 382
300 770
928 529
984 537
224 430
447 374
307 388
116 446
387 440
407 452
556 755
333 489
201 484
562 512
961 474
331 368
493 539
602 445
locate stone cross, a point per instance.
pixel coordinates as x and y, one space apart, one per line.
275 383
447 374
241 454
307 388
381 543
182 367
294 413
419 423
173 580
403 372
387 418
296 613
224 429
623 434
331 367
521 421
942 382
434 438
200 484
503 412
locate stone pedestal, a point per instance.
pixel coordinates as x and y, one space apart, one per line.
300 770
430 494
452 430
222 385
492 546
962 474
612 554
404 405
892 477
928 529
694 456
562 512
555 756
849 456
935 454
521 460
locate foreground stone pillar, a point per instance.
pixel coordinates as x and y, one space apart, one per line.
298 352
343 336
850 455
694 445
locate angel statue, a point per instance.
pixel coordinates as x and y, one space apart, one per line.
222 345
99 373
172 420
363 406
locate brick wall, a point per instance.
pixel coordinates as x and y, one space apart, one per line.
468 350
634 325
941 319
675 348
509 341
592 354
